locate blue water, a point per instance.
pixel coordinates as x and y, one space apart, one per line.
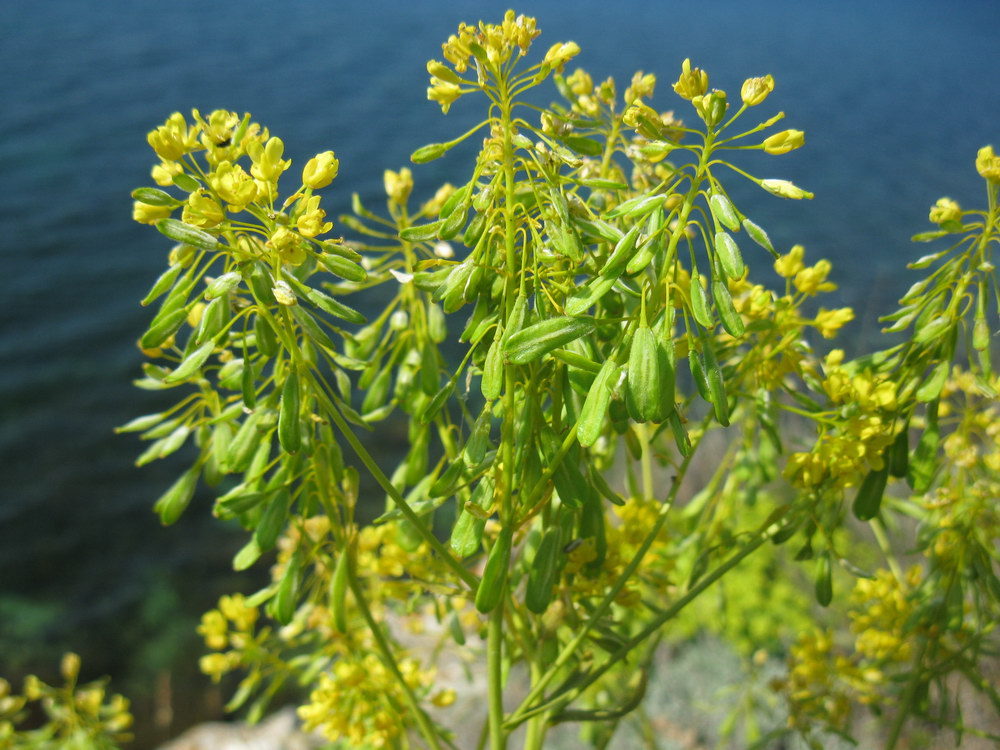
895 98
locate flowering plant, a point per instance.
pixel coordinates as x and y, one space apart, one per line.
551 516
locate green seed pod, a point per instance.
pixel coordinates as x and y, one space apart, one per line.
243 445
494 581
934 384
479 438
536 340
698 374
758 235
222 285
680 434
139 424
338 592
191 364
189 235
898 454
427 153
448 481
492 382
699 302
437 326
162 284
475 230
728 253
454 200
272 521
222 436
267 340
289 429
155 197
731 320
716 384
421 233
595 407
543 572
583 297
644 385
162 327
342 267
288 590
176 499
592 527
824 579
923 463
622 253
467 534
639 261
378 390
261 284
454 223
724 211
668 377
328 304
214 318
869 497
247 556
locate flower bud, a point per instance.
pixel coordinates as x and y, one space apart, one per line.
439 70
755 90
398 185
692 82
785 141
560 53
945 210
785 189
988 164
70 666
320 171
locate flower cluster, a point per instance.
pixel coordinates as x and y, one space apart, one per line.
223 187
360 701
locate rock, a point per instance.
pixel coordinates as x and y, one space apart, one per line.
280 731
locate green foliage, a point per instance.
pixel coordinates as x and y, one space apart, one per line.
610 312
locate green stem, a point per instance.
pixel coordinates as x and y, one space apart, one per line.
570 648
565 698
423 721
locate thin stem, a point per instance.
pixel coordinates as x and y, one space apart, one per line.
567 697
423 721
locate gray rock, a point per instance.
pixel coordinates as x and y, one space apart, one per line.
280 731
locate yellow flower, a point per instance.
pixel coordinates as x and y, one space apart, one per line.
216 665
235 609
791 263
217 131
214 629
398 185
310 223
785 141
813 280
288 245
146 214
434 205
174 138
444 698
202 210
163 173
320 171
443 93
267 162
785 189
756 90
233 185
828 322
560 53
643 85
988 164
945 210
692 82
580 82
